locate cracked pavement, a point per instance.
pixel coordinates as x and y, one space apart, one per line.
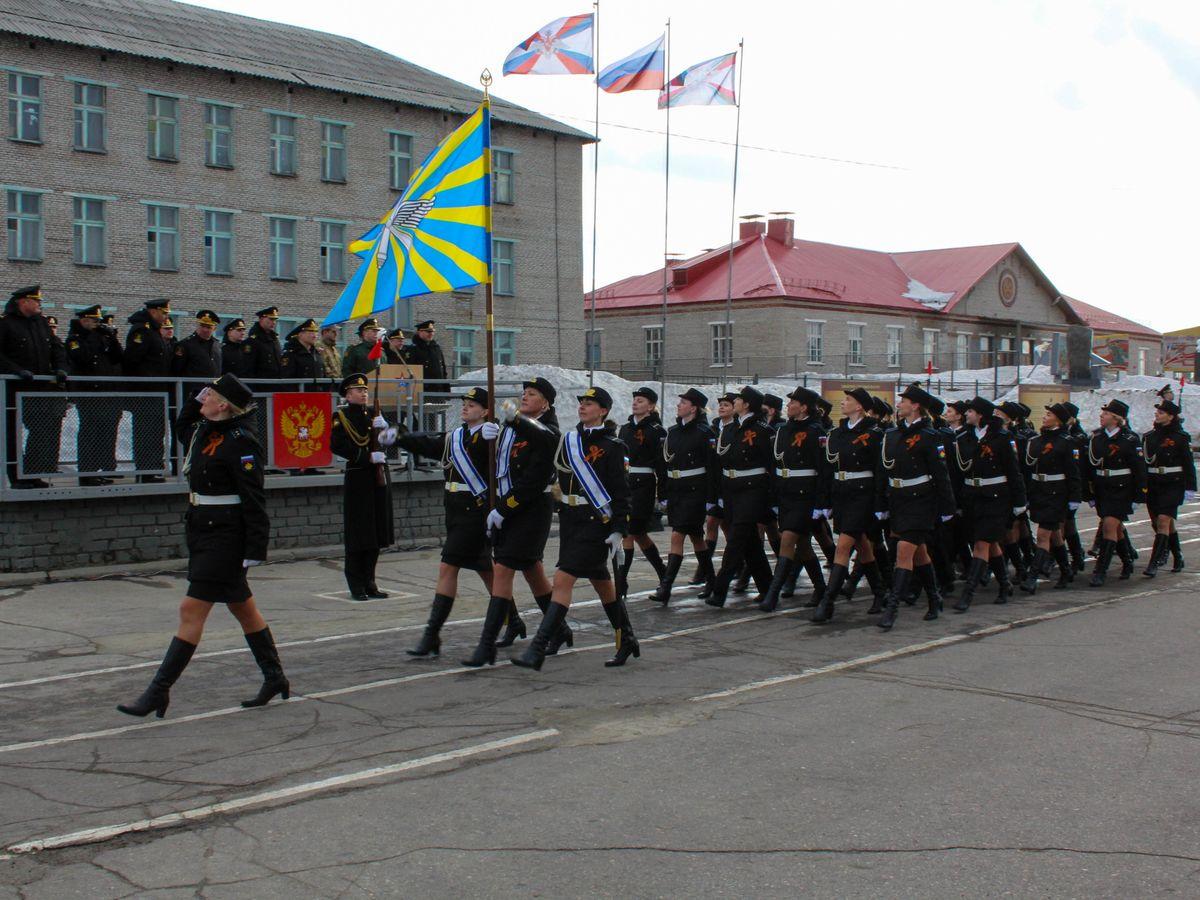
1052 758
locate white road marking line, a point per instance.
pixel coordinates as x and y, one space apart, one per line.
107 832
913 649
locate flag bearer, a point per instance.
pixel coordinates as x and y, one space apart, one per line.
1115 484
1171 479
643 436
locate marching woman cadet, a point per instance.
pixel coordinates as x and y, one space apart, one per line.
366 486
519 524
917 494
715 522
1116 483
592 515
798 452
690 469
227 533
1052 463
993 492
464 456
745 455
1171 478
643 436
1018 544
848 495
1070 530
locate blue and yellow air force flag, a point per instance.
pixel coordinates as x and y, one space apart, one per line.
437 237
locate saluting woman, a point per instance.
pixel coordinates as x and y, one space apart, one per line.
227 533
1170 479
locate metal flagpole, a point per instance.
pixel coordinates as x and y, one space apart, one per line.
591 339
737 133
485 79
662 352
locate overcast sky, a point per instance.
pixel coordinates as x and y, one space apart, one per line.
1072 127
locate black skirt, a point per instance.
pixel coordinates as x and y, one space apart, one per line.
642 500
216 542
987 519
466 545
1047 505
913 509
520 544
795 514
1115 502
685 512
582 549
853 511
1164 499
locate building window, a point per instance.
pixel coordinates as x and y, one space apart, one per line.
283 249
90 112
962 351
986 344
283 144
163 128
218 242
504 347
592 348
503 189
162 238
218 136
895 345
89 229
25 107
463 350
24 210
399 160
333 152
721 340
929 347
654 344
333 252
816 342
503 266
855 345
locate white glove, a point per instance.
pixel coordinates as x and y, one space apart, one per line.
614 545
881 516
662 506
247 563
947 518
490 431
721 503
817 513
1189 496
508 410
827 513
387 437
1092 504
379 422
710 506
495 521
1073 505
1017 510
378 457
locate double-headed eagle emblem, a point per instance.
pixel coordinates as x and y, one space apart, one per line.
302 427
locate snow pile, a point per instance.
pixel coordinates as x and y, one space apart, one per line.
927 295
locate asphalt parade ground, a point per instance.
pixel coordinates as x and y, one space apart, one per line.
1037 748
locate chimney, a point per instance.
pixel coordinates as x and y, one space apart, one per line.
750 229
781 230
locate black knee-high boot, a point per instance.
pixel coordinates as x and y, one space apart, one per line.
626 642
564 636
1041 559
621 573
900 582
707 572
700 576
1161 542
262 645
742 583
430 643
1012 552
1066 569
928 579
999 567
493 619
875 582
1075 550
157 696
1125 555
662 594
974 576
514 625
651 554
1176 552
850 585
812 568
535 653
1103 561
824 611
783 569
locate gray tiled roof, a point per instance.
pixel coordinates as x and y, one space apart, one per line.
164 29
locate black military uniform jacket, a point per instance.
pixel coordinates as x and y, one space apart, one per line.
909 451
428 354
26 344
1051 453
94 352
267 358
851 450
643 446
301 362
237 359
1170 448
437 446
531 462
196 357
147 353
606 454
798 445
987 458
689 446
367 518
745 446
1105 453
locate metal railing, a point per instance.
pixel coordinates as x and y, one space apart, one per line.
67 440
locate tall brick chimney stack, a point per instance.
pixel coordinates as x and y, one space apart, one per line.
750 229
781 230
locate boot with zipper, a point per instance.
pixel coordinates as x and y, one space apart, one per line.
535 653
493 619
157 696
430 643
626 642
262 645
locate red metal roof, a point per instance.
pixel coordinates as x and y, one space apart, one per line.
1103 320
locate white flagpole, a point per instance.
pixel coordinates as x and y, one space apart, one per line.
662 360
737 133
591 339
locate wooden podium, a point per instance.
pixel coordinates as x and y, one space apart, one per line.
398 384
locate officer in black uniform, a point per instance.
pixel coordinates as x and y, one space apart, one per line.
643 436
848 496
301 360
593 514
93 349
1052 467
917 495
689 477
1171 479
746 458
236 354
367 525
266 357
798 464
993 492
424 351
227 533
1115 483
519 522
28 348
199 355
147 355
464 457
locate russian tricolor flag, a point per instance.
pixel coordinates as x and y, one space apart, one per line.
643 70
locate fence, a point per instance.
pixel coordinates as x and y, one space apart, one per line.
118 435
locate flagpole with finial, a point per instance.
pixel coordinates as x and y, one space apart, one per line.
662 351
737 134
485 79
593 354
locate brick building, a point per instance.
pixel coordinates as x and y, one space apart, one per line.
156 149
804 306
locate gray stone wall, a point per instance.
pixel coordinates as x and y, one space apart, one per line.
545 220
